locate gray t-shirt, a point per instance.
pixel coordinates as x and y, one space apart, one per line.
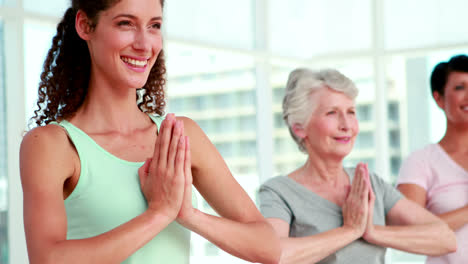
309 214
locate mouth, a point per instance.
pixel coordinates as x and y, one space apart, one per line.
134 62
343 139
464 108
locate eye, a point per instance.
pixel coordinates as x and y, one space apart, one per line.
352 112
156 26
331 112
124 23
459 87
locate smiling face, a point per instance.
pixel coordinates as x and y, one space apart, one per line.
125 43
332 127
454 102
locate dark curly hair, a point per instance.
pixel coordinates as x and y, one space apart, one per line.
65 76
441 72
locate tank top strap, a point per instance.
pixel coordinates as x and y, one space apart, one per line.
157 119
82 144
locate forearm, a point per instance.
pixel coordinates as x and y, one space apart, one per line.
111 247
432 239
456 218
314 248
251 241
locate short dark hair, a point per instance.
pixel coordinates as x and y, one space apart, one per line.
439 76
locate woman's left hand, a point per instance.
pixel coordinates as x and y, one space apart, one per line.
368 234
187 211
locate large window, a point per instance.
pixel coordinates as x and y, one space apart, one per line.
228 63
3 160
37 41
217 90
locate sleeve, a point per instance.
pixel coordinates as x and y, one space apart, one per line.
272 205
414 170
390 195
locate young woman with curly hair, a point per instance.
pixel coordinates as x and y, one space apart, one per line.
105 178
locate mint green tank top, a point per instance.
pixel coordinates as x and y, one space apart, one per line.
108 194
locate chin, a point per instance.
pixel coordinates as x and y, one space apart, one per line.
342 153
137 83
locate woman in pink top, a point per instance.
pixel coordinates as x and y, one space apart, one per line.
436 176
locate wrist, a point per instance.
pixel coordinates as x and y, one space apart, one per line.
354 232
159 216
188 220
369 235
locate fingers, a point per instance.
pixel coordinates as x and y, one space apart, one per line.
174 148
188 162
186 208
358 187
158 142
368 183
180 158
365 183
143 171
162 141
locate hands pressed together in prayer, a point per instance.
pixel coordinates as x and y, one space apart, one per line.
358 208
166 178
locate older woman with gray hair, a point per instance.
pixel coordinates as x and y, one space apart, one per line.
325 213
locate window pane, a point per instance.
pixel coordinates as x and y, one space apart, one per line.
217 90
304 28
288 155
3 160
434 23
228 23
50 7
37 41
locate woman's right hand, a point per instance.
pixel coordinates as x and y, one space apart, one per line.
355 208
162 176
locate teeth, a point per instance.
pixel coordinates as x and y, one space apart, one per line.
134 62
465 108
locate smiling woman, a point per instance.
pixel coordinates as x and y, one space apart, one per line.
435 176
326 213
104 172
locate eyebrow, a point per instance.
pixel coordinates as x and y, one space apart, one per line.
336 107
134 17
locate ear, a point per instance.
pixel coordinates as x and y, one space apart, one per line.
299 131
82 25
439 99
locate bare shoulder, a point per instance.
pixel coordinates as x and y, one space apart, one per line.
204 153
197 137
45 138
45 148
191 127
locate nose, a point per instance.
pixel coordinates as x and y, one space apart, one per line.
344 123
141 41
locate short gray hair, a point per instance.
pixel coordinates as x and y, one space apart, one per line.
297 107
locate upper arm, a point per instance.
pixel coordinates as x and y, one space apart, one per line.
280 226
415 177
214 181
407 212
44 165
413 192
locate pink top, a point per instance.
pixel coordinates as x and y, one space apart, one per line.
446 184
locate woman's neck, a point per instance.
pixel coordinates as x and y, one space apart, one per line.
455 138
320 171
107 109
